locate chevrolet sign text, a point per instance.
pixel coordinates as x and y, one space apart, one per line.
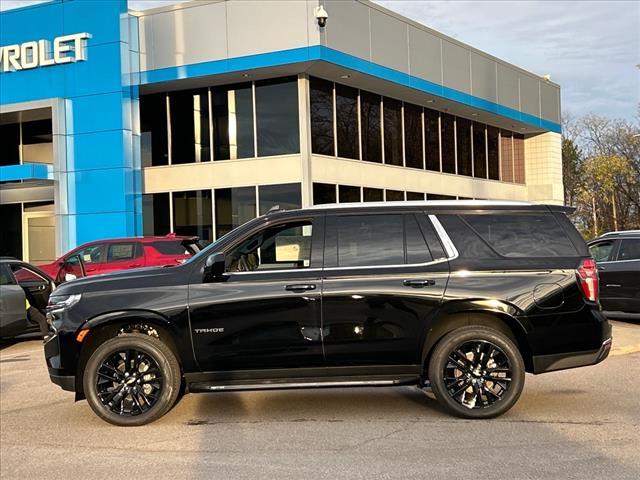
40 53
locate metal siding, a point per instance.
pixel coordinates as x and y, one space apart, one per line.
425 55
483 77
456 67
508 94
347 29
550 101
389 42
530 95
259 27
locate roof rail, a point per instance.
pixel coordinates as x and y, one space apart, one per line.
621 232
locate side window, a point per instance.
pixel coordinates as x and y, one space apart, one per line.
278 247
27 277
629 250
417 250
368 240
522 234
601 252
123 251
91 255
5 276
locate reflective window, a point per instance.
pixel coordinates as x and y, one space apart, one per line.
286 246
321 99
371 134
432 139
463 137
372 194
38 131
415 196
5 277
324 193
91 254
518 158
417 250
347 121
629 250
189 119
286 196
601 252
155 214
348 194
492 148
234 206
392 131
153 127
277 116
395 196
232 122
522 235
448 143
479 151
123 251
192 214
435 196
506 156
370 240
413 136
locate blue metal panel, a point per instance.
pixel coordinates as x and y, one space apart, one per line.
320 52
26 171
103 195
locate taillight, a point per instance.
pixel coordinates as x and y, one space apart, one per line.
588 277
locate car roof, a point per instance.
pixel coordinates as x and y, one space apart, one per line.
166 238
620 234
426 204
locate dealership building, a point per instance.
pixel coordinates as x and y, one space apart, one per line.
197 117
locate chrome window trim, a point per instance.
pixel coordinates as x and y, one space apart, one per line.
449 247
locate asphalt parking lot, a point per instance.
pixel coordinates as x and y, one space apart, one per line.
582 423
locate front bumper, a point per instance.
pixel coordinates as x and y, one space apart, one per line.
55 364
563 361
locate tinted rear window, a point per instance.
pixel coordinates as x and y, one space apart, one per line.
171 248
522 234
370 240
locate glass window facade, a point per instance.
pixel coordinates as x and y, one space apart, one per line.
448 143
394 196
392 131
432 139
192 214
372 194
286 196
479 151
348 194
463 145
218 123
493 153
371 124
277 122
347 121
234 206
413 136
324 193
321 117
156 214
506 156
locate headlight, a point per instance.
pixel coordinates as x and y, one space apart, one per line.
59 303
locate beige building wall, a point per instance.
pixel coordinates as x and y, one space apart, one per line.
543 168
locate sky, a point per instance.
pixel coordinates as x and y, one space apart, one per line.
591 48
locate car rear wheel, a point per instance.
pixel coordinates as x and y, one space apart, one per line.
476 372
132 379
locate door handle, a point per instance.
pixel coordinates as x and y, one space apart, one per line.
135 265
614 285
419 283
300 287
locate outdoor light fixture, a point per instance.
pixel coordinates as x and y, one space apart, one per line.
345 76
321 15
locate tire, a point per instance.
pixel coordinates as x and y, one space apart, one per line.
476 372
136 395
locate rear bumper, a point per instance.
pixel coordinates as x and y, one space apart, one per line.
563 361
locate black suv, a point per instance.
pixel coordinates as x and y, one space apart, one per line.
464 297
618 257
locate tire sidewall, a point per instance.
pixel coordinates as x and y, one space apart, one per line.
439 359
166 363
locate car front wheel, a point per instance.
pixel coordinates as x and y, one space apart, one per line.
476 372
132 379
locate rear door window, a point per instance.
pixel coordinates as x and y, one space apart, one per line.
629 250
173 247
123 251
522 234
602 251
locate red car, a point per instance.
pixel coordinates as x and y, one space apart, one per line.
116 254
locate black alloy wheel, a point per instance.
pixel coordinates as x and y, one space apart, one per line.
132 379
476 372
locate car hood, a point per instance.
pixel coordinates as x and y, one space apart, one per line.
138 278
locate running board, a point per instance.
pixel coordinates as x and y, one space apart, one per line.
284 384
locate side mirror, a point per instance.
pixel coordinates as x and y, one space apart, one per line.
214 266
